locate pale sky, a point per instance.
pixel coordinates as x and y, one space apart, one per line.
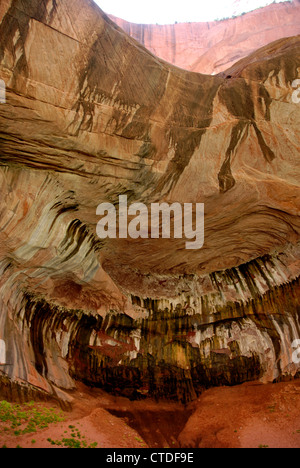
169 11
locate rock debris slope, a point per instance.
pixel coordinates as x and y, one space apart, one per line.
89 115
215 46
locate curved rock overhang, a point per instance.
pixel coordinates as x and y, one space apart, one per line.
91 115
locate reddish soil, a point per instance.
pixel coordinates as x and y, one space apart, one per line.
250 415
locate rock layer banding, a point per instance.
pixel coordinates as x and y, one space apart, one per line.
90 115
215 46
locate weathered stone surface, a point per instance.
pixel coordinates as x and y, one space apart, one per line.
90 115
215 46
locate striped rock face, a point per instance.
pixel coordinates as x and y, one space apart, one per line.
90 115
213 47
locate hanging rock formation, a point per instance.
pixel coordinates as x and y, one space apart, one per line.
215 46
89 115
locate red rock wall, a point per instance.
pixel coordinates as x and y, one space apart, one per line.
89 115
213 47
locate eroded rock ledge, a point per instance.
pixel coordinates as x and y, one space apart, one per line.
90 115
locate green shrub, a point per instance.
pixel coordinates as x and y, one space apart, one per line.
29 417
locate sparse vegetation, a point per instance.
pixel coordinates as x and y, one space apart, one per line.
272 408
76 440
27 418
245 12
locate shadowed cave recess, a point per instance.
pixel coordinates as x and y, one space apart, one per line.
90 114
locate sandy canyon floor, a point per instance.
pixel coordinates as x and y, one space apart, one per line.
248 416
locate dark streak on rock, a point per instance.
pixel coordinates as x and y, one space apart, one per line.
16 21
237 97
226 179
167 330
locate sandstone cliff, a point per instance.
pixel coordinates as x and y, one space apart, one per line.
215 46
89 115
